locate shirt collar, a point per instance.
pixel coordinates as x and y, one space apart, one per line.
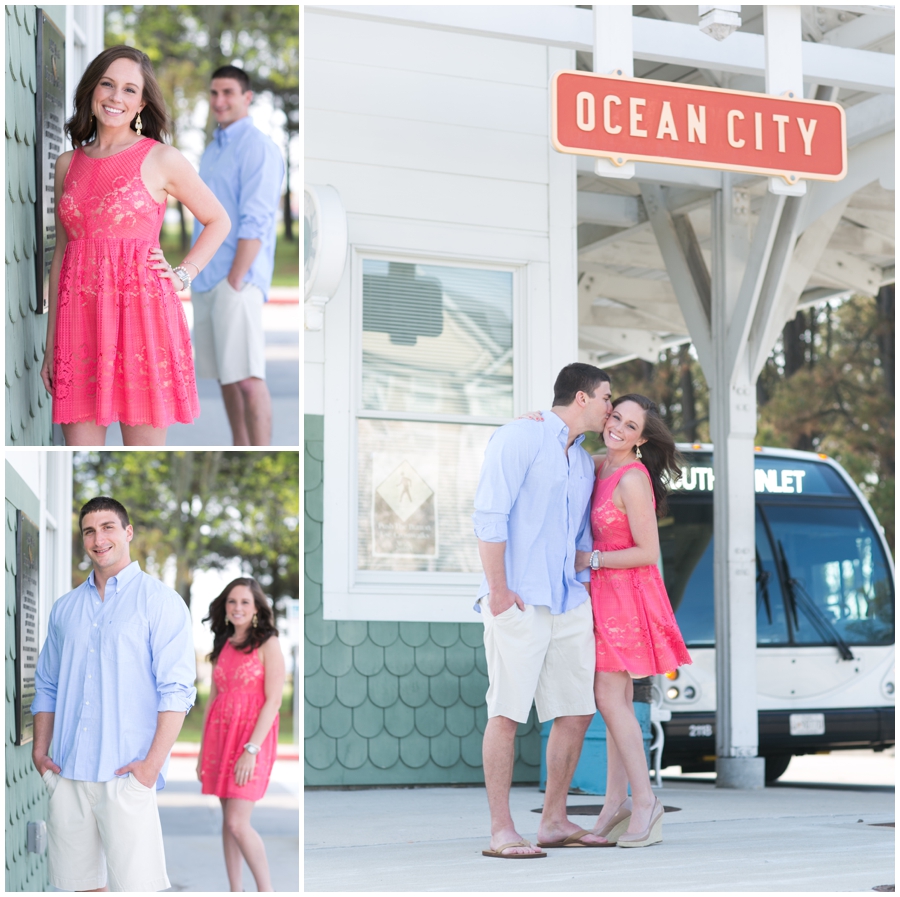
560 428
225 135
121 578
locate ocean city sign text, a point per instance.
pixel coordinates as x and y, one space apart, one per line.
784 482
634 119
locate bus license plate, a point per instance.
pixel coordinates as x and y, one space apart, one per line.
807 724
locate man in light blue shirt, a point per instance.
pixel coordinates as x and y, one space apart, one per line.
114 680
532 512
244 169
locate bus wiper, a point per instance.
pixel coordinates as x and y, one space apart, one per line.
762 580
798 595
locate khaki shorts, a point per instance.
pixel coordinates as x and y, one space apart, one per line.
95 827
539 656
229 344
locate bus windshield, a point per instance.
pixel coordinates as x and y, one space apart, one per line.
821 572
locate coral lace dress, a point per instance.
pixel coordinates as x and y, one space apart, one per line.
634 625
123 348
240 695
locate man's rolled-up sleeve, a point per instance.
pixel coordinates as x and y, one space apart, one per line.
46 674
506 460
585 542
262 170
173 661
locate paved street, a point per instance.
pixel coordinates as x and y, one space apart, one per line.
820 829
192 827
281 322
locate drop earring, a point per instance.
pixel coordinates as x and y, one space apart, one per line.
637 453
138 124
255 621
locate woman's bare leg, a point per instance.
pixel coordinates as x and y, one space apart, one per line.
143 434
234 859
84 433
612 692
237 821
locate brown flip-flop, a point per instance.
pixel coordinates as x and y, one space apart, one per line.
500 855
574 840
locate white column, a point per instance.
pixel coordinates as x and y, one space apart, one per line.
613 53
733 427
784 69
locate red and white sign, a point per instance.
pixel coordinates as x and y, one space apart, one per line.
633 119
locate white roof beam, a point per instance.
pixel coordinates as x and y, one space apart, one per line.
608 208
860 33
654 40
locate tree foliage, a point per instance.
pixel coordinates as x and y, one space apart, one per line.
200 510
828 386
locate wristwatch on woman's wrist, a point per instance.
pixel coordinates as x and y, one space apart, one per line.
182 273
251 748
596 559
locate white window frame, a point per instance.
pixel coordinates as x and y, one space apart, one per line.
350 593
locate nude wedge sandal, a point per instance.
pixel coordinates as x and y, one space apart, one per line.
617 825
651 835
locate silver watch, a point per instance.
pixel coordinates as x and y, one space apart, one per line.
595 559
251 748
182 273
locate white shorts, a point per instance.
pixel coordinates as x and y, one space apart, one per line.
99 827
533 655
229 344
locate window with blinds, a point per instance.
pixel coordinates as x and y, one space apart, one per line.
437 359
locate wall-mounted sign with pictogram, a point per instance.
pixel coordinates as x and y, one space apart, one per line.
637 120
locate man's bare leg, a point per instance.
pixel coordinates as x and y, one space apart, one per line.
563 751
249 408
498 753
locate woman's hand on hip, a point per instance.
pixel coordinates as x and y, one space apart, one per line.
243 769
157 261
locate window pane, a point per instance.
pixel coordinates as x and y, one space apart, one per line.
416 492
436 339
771 615
841 577
686 545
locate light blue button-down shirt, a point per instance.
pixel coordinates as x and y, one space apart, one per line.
244 169
108 667
537 499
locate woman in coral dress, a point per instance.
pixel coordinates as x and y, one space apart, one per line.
634 624
240 726
118 346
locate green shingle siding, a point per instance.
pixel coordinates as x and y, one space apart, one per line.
390 703
27 403
26 796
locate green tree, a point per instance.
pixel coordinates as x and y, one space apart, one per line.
193 510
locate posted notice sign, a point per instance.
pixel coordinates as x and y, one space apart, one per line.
633 119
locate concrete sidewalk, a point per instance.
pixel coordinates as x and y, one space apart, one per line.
281 323
192 828
803 834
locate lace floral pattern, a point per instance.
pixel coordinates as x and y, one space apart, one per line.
634 626
240 695
123 347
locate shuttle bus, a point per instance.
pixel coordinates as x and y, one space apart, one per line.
824 612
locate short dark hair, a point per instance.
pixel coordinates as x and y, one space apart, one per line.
232 71
104 503
575 378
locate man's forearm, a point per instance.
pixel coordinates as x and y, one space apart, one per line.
493 560
168 726
244 256
43 733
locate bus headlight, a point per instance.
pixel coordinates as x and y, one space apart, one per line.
672 693
672 674
689 692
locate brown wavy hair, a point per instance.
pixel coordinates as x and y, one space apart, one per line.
222 631
81 127
658 453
